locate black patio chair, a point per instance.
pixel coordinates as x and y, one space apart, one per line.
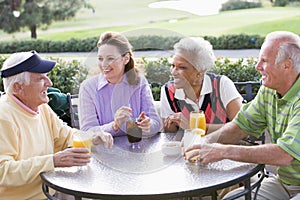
73 107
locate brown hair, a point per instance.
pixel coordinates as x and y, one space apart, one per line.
121 42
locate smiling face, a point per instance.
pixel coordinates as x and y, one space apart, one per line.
111 63
184 73
34 93
272 73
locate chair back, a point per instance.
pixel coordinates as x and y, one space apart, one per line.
73 107
247 89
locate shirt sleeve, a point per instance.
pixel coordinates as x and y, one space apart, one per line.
148 106
228 91
252 118
14 171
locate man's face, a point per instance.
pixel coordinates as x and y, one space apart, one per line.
35 93
272 74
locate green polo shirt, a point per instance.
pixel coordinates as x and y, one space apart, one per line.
281 117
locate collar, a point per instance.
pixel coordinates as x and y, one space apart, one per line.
102 81
20 103
206 88
294 92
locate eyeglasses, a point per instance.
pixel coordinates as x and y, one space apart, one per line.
108 61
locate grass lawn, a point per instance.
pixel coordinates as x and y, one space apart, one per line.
130 15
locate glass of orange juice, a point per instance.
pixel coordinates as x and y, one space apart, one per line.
197 120
82 139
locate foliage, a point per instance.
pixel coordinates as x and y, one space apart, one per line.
241 41
16 14
240 4
238 71
2 59
67 75
157 72
153 42
144 42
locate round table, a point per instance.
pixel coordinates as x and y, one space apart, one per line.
146 173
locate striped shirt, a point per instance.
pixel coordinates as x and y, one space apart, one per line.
281 117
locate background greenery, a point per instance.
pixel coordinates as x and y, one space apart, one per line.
149 28
130 15
67 75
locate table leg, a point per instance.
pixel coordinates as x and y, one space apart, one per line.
247 188
46 192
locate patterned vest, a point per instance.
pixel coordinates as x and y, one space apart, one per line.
212 106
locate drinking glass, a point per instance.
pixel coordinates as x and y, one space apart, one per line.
134 133
82 139
197 120
190 138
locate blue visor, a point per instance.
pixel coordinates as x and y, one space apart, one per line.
33 64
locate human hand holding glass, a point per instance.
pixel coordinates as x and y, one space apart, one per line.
134 133
190 138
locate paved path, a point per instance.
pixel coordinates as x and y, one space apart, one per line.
241 53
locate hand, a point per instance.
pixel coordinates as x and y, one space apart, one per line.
121 116
177 118
71 157
103 138
144 122
207 152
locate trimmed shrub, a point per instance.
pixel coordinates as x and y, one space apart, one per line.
240 4
144 42
157 72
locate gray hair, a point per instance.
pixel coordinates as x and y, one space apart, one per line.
22 78
197 51
289 47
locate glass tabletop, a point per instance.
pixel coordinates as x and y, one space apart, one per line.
145 172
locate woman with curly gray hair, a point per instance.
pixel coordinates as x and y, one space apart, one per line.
193 88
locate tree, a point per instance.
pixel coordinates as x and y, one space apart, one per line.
17 14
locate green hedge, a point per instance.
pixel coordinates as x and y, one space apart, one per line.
241 70
144 42
67 75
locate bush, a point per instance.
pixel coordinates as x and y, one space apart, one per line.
157 72
66 75
238 71
145 42
240 4
2 59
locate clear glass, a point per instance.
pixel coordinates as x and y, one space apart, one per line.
191 138
134 133
197 120
82 139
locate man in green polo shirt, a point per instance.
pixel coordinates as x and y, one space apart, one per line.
276 109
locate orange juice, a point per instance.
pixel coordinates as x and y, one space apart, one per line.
82 144
82 139
197 120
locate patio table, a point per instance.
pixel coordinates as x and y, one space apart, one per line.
146 173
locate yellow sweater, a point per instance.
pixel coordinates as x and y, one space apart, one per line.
27 144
